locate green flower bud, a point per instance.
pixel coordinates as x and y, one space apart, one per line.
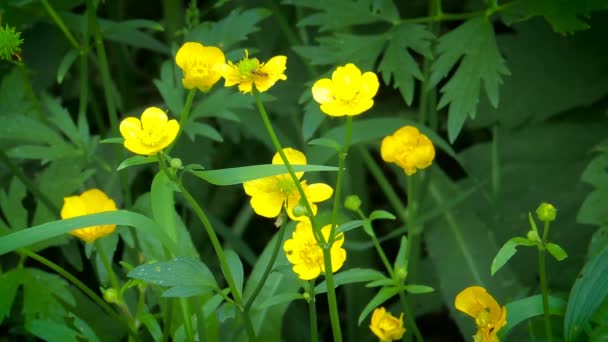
533 236
10 43
401 273
110 295
176 163
306 296
299 210
352 202
546 212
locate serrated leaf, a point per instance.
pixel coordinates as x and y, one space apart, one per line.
507 251
382 296
343 48
170 88
238 175
52 331
564 16
556 251
9 283
60 118
221 104
473 42
398 64
136 160
185 276
353 275
337 14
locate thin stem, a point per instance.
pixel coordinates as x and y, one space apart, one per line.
183 117
84 69
215 242
108 265
273 257
312 312
456 16
341 167
187 318
60 24
543 283
31 187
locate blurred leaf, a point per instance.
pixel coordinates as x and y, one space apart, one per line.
382 296
507 251
136 160
60 118
596 173
9 283
556 251
343 48
313 118
348 226
221 103
238 175
327 143
475 44
163 204
11 203
564 16
283 298
400 259
593 209
51 331
84 329
236 269
353 275
184 276
418 289
194 128
152 325
14 97
523 309
340 13
170 88
44 295
66 64
381 215
398 64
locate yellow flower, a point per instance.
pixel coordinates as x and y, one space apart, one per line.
386 326
89 202
409 149
202 65
269 195
250 71
306 255
476 302
150 134
347 93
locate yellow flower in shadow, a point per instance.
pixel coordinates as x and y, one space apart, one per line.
201 65
409 149
89 202
269 195
149 135
305 254
489 316
348 92
386 326
250 71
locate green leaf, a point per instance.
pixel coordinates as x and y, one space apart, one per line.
116 140
170 87
593 209
163 204
558 253
9 283
596 173
381 282
418 289
184 276
12 130
194 128
236 269
564 16
337 14
523 309
400 260
313 117
51 331
353 275
60 118
473 42
343 48
66 64
348 226
222 104
45 231
398 64
381 215
11 203
84 328
238 175
327 143
152 325
382 296
137 160
507 251
283 298
44 295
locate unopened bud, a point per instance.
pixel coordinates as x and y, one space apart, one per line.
176 163
299 210
546 212
401 273
533 236
352 202
110 295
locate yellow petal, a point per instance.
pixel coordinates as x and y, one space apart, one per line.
389 149
359 107
369 85
73 206
262 185
291 248
130 128
97 201
275 68
246 86
322 91
171 130
188 52
137 147
334 108
338 257
153 119
267 204
318 192
307 271
474 300
294 157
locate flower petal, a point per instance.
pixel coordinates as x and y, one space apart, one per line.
369 85
475 299
73 206
306 271
153 119
262 185
267 204
130 128
318 192
188 52
322 91
294 157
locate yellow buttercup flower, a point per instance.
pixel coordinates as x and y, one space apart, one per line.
305 254
201 65
409 149
269 195
149 135
89 202
386 326
348 92
489 317
249 72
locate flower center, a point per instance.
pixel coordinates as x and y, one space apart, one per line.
286 186
152 137
247 66
199 69
311 253
484 321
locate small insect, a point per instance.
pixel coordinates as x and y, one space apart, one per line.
259 73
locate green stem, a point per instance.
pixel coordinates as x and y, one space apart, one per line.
84 69
331 291
31 187
341 168
108 265
215 242
543 283
183 117
456 16
60 24
187 318
273 257
312 312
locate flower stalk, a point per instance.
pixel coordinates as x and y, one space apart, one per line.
542 268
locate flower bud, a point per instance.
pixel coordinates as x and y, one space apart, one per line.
176 163
546 212
299 210
352 202
533 236
401 273
306 296
110 295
